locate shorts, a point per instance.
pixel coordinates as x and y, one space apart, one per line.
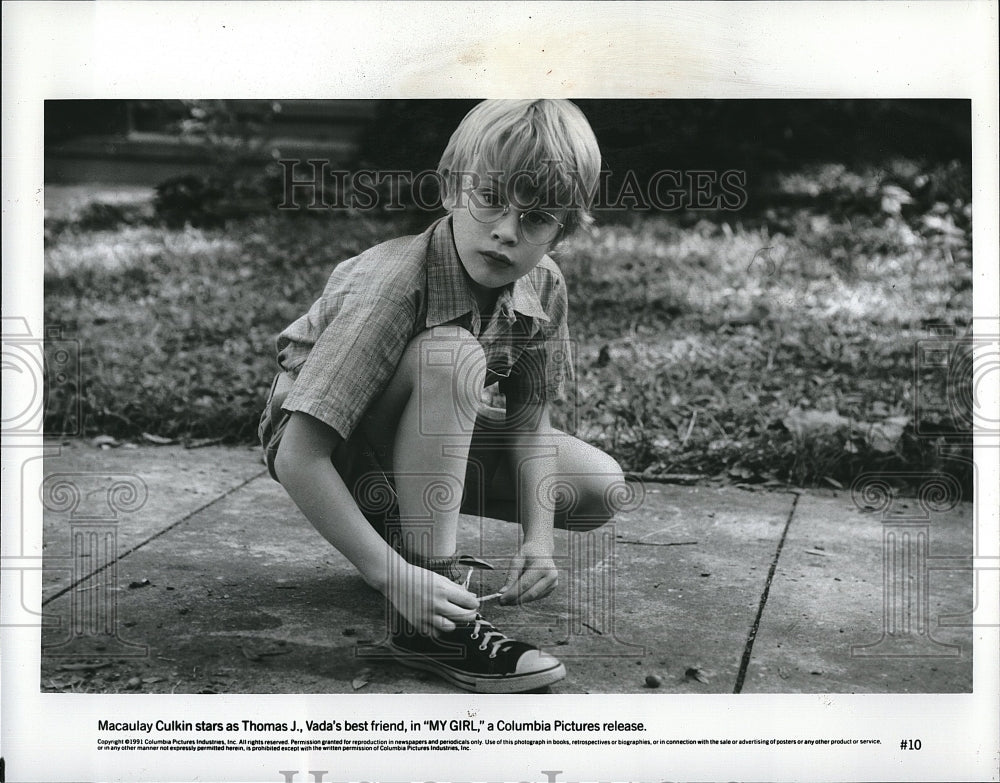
366 470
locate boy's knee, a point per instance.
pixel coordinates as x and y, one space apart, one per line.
596 495
603 493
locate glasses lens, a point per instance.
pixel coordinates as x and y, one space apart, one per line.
485 206
539 228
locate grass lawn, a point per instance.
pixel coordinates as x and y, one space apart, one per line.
770 347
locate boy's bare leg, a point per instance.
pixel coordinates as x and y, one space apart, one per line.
425 421
429 409
303 464
586 486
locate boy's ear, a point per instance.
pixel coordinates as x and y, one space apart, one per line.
456 189
448 200
449 189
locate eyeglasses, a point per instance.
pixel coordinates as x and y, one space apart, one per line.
537 226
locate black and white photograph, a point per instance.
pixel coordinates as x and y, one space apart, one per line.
737 434
665 413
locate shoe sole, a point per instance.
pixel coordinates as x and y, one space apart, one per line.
480 683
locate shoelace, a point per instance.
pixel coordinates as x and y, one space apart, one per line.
488 634
491 636
490 597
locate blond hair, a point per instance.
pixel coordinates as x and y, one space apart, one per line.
547 143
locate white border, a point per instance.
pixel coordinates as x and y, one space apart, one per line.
377 50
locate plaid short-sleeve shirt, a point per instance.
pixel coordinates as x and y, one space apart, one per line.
342 353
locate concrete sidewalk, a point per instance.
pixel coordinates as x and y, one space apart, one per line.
191 571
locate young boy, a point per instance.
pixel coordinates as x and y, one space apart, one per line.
376 427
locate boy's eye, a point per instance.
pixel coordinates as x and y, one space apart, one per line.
490 198
536 218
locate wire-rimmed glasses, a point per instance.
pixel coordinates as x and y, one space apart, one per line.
538 227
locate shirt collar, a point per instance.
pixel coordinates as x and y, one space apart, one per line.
448 293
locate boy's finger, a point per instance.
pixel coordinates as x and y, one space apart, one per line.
513 573
459 613
513 583
528 593
458 595
539 590
516 591
542 586
464 600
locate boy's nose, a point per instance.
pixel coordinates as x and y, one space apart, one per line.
506 228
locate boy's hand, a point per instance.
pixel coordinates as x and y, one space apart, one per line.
429 601
532 575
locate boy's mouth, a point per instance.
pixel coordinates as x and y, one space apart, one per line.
498 257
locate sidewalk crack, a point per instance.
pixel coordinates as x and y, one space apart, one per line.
126 553
748 648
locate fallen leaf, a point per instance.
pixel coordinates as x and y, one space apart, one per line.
256 651
884 435
894 198
158 440
362 679
104 441
748 487
803 423
74 667
661 443
199 443
944 225
694 673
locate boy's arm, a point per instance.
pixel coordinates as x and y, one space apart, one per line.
305 470
533 573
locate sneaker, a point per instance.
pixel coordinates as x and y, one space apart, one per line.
477 657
